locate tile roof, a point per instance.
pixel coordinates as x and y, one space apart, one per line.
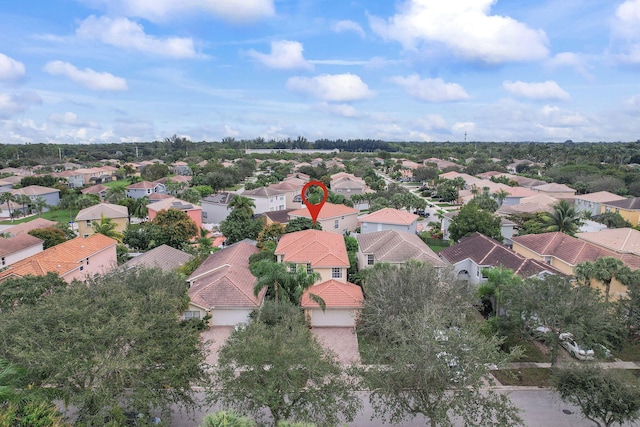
95 189
224 279
35 190
390 216
262 192
621 240
335 295
107 210
487 252
172 203
315 247
329 210
163 257
286 186
569 249
61 258
554 187
633 203
219 198
141 185
14 244
520 192
25 227
396 247
599 197
281 216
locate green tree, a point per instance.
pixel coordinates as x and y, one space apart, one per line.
118 342
270 235
243 204
447 190
556 304
284 282
51 235
612 220
301 223
173 227
107 227
275 363
605 397
499 280
40 204
471 219
564 218
7 198
116 192
428 359
28 290
226 419
239 225
154 172
139 208
604 270
191 195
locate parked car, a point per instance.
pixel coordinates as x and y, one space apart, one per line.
568 342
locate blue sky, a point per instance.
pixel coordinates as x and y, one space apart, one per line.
90 71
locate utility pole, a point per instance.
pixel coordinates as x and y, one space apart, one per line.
60 153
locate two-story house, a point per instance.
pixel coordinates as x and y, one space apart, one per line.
389 219
51 196
193 211
117 213
145 188
592 202
267 199
215 207
326 254
629 209
393 247
333 218
16 248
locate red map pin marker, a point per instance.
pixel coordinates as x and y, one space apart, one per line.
314 210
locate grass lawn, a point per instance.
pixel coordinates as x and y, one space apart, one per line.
437 248
630 352
540 377
116 183
59 215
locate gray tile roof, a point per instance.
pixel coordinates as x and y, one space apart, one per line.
396 247
163 257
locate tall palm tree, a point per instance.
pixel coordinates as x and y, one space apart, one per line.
243 204
7 198
284 282
564 218
604 270
107 227
140 207
500 195
40 204
116 193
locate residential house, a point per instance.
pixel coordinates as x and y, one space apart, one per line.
145 188
51 196
507 227
326 254
215 207
280 217
222 287
565 252
267 199
163 257
293 193
5 185
347 185
25 227
619 240
117 213
629 209
181 168
515 195
75 259
332 218
477 252
393 247
389 219
592 202
193 211
98 189
16 248
538 203
559 191
440 163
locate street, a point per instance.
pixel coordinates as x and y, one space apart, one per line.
539 408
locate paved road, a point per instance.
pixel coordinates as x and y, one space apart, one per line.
540 408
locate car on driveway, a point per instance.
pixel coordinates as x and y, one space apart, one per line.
568 342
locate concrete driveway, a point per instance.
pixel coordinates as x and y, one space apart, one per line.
342 341
215 338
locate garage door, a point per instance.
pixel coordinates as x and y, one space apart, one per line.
231 317
332 318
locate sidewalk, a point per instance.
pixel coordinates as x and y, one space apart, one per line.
615 364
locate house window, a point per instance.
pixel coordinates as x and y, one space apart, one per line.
336 224
336 273
309 269
87 261
292 268
188 315
370 259
81 267
4 261
88 223
204 215
547 259
84 236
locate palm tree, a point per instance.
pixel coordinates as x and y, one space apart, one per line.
284 282
500 195
563 218
7 198
140 207
107 227
116 193
604 270
40 204
24 200
243 204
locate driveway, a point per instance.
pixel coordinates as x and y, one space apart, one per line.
215 338
342 341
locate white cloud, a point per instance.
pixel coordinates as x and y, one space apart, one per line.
10 69
331 87
165 10
87 77
542 90
346 26
556 117
344 110
433 122
431 90
126 34
626 31
464 127
11 104
464 27
71 119
571 60
284 54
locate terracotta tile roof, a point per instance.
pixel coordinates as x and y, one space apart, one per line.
335 295
14 244
633 204
153 197
487 252
599 197
163 257
569 249
397 246
224 279
390 216
621 240
35 190
62 258
315 247
329 210
107 210
25 227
